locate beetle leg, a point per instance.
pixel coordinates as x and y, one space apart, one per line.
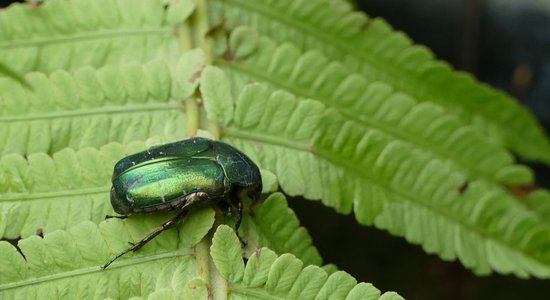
118 217
239 215
239 220
136 246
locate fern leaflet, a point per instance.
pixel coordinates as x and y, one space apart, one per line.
94 107
427 127
372 48
267 276
71 34
317 153
176 262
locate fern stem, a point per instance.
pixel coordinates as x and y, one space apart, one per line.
200 24
192 116
214 130
208 272
202 256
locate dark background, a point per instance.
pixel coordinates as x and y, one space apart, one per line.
505 43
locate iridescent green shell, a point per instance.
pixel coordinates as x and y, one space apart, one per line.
183 174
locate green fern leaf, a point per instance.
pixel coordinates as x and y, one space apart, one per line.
372 48
226 252
307 284
194 289
4 70
257 267
408 193
286 277
76 190
425 126
539 202
275 226
69 260
71 34
177 262
283 274
300 113
214 85
46 193
94 107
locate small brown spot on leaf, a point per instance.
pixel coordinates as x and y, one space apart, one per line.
177 31
365 25
217 27
196 75
462 188
522 190
228 56
257 253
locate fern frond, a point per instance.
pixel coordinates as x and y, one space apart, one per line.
426 126
68 261
92 107
43 193
176 262
539 201
267 276
316 152
6 71
70 34
275 226
372 48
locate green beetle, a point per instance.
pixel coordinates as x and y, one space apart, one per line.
180 176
